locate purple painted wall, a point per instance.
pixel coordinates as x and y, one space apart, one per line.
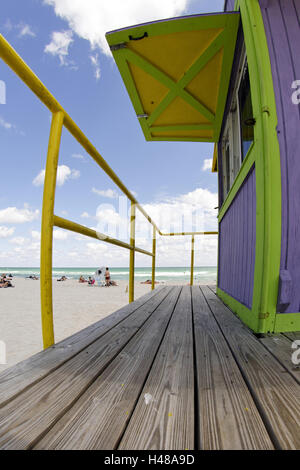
237 237
229 5
281 20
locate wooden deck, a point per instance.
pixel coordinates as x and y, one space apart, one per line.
173 370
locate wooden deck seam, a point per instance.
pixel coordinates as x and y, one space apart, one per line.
171 384
256 400
197 443
281 362
68 358
146 377
84 390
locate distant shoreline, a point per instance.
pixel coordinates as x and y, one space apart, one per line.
201 273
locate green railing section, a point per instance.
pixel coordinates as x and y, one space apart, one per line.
61 119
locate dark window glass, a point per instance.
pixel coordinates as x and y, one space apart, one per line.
246 113
227 166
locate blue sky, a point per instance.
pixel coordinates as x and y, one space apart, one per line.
63 42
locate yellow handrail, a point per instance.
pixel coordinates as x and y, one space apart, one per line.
60 118
47 228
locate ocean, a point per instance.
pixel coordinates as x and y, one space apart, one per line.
201 274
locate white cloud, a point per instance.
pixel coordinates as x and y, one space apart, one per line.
64 173
91 19
193 211
59 45
78 156
5 124
60 235
18 241
110 193
207 164
25 30
95 63
6 232
12 215
36 235
85 215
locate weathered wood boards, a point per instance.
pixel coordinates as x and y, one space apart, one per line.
276 393
174 370
30 415
16 379
100 416
164 415
281 347
228 417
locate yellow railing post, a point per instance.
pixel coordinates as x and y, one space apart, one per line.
153 258
47 228
192 259
132 252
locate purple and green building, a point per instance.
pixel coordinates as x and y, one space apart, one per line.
233 79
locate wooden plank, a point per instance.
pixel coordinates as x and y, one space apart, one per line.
293 336
212 287
19 377
281 347
276 392
99 417
164 416
24 420
228 418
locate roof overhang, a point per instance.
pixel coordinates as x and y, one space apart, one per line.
177 74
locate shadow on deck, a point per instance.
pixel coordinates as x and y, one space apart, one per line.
173 370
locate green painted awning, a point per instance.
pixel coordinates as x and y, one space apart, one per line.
177 74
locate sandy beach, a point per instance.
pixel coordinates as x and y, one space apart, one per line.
75 307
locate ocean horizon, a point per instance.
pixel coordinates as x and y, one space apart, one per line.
201 273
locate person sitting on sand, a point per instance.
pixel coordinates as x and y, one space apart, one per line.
149 282
32 276
81 279
63 278
91 281
5 283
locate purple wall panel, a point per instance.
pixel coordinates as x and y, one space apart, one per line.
237 244
281 20
229 5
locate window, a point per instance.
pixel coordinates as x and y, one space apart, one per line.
239 127
246 112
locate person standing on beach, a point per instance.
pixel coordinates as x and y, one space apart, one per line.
107 277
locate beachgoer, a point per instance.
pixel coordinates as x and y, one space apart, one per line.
5 283
63 278
107 277
91 281
81 279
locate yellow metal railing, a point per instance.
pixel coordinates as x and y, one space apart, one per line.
61 119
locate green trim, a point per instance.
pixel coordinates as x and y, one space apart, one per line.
131 90
243 312
287 322
225 39
179 139
265 154
239 180
170 26
201 62
268 174
163 78
188 127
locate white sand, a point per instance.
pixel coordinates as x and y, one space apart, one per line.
75 307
